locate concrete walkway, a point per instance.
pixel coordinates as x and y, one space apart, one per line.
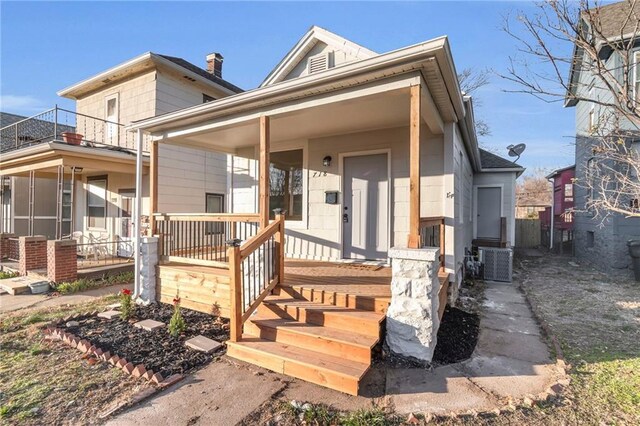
511 361
9 303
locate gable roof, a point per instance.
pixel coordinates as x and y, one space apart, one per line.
611 16
489 160
305 44
7 119
608 19
146 62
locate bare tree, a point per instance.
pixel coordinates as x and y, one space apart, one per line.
534 189
564 35
470 81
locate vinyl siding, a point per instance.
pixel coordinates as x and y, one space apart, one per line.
337 57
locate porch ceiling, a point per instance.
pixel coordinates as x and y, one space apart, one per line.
376 111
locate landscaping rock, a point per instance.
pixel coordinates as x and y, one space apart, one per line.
138 371
114 360
149 325
128 368
148 375
72 324
157 378
203 344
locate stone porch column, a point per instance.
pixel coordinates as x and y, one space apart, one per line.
149 261
412 317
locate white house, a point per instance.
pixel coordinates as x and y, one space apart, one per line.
368 154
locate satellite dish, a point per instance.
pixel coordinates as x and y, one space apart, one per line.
516 150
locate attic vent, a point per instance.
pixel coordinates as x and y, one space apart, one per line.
318 63
189 78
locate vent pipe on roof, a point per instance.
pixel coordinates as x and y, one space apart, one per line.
214 64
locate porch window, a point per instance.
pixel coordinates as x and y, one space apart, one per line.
214 204
97 202
286 183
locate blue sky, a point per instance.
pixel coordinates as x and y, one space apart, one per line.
46 46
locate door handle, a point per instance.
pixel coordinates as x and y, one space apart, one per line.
345 218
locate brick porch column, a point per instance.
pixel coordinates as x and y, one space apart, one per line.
62 261
5 244
33 253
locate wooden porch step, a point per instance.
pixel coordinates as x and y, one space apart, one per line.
338 317
330 341
336 373
341 298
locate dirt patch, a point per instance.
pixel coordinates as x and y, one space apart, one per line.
45 382
457 336
156 350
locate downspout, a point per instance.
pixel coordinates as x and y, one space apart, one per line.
138 209
551 226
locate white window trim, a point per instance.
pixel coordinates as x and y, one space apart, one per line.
636 75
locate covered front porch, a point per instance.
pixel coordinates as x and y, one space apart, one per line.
295 194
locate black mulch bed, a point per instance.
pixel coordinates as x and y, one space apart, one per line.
457 336
156 350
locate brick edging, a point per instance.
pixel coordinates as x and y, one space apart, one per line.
88 349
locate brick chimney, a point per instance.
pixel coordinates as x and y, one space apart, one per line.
214 64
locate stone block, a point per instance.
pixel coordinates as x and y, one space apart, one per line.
149 325
412 316
157 378
203 344
109 314
128 368
114 360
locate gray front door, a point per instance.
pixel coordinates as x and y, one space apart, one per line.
489 208
366 207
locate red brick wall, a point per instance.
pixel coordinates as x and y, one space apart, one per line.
6 246
33 254
62 262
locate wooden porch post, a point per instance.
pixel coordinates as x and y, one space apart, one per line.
235 308
279 238
414 169
263 205
153 187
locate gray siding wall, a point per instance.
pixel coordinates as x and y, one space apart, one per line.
601 242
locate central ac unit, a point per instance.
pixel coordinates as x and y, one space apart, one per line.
497 263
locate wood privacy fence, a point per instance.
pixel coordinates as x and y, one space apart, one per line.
527 233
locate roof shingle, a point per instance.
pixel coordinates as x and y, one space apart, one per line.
489 160
202 73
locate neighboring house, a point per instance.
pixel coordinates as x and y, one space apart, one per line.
602 242
73 172
365 152
558 219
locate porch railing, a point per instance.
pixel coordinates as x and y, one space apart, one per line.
255 268
201 238
61 125
432 234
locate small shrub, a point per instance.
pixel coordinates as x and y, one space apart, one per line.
177 323
126 304
33 318
7 274
81 284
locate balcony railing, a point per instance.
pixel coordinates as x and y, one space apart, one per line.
61 125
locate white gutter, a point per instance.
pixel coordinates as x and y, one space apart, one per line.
552 215
137 219
403 57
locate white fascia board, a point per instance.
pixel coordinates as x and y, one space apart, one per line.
56 146
65 93
407 57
